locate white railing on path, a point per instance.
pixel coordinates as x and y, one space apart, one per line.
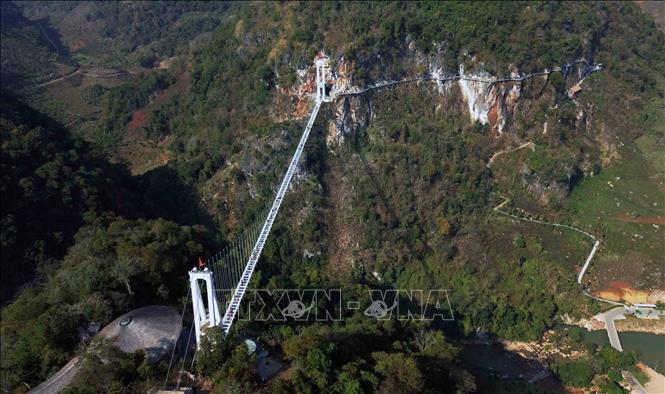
589 69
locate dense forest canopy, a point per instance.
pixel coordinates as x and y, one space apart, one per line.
49 181
139 136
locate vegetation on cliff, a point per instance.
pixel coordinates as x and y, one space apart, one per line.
404 202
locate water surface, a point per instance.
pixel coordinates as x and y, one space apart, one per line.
649 347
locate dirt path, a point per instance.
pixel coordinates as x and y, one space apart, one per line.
642 219
55 47
79 71
503 152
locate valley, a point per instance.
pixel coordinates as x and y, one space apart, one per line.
510 153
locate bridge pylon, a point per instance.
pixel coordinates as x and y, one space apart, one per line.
322 71
204 317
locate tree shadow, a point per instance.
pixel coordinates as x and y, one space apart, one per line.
166 195
40 226
492 362
394 220
51 36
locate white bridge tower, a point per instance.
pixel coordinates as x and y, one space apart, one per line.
202 316
322 69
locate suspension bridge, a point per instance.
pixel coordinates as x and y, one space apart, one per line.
232 268
227 274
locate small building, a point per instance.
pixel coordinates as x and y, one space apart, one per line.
266 366
645 305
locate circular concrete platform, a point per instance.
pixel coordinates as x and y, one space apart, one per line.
153 329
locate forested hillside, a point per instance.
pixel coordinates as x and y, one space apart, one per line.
50 180
72 238
204 106
28 53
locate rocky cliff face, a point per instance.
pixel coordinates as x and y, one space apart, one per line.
477 96
505 105
486 102
485 99
490 103
293 102
352 114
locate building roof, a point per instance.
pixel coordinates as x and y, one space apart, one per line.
153 329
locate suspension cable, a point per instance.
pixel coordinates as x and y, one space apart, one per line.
182 319
182 365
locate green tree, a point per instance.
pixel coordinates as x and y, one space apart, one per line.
576 373
215 350
239 371
399 371
434 344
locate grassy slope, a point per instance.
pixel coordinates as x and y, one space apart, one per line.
96 36
622 131
631 188
31 51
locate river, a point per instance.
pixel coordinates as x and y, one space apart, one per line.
493 361
650 347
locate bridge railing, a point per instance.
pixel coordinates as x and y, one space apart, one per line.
588 69
233 267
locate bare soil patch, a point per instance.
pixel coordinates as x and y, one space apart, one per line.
642 219
621 291
139 152
138 119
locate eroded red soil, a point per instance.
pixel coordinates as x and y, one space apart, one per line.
138 119
621 291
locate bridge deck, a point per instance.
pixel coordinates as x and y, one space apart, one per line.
234 304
